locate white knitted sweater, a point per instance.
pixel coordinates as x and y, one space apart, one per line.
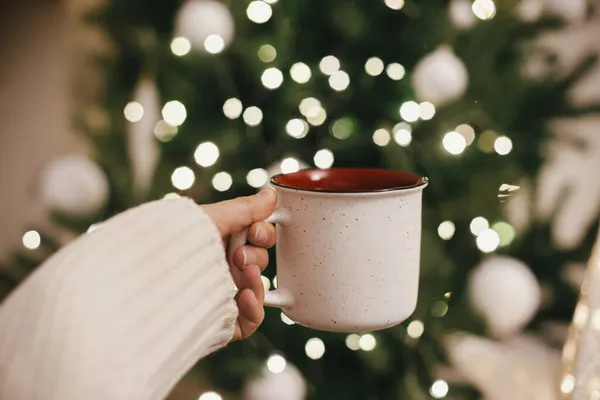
121 313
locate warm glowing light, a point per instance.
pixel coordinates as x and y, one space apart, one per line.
257 178
374 66
259 12
276 364
267 53
183 178
488 240
353 341
446 230
426 110
339 81
329 65
505 231
568 384
290 165
367 342
174 113
415 329
275 282
210 396
315 348
297 128
309 107
342 128
32 240
467 131
252 116
272 78
403 137
381 137
454 143
300 72
164 132
214 44
478 224
180 46
133 111
171 196
222 181
232 108
319 118
410 111
395 71
323 158
206 154
394 4
484 9
439 389
503 145
286 320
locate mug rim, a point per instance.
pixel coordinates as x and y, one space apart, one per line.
421 182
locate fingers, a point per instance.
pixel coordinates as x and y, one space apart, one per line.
232 216
250 303
262 234
250 255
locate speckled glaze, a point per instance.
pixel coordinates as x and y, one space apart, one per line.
347 261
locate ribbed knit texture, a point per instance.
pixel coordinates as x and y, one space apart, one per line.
121 313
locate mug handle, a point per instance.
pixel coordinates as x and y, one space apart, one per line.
280 298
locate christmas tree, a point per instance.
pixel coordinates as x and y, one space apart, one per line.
208 100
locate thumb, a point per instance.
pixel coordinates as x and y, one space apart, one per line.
232 216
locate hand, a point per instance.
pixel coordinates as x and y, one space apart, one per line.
233 216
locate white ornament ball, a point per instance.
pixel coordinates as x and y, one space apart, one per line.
440 77
569 10
461 14
198 19
507 294
286 385
74 185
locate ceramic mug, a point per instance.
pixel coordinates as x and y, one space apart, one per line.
348 247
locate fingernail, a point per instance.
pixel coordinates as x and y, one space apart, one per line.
244 257
267 193
261 234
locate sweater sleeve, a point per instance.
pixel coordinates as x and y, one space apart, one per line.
123 312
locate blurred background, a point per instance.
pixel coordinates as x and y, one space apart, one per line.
106 104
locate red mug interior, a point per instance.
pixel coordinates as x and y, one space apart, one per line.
348 180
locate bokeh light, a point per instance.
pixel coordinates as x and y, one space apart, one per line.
31 240
446 230
174 113
367 342
267 53
276 364
339 80
232 108
324 158
488 240
214 44
133 111
454 143
410 111
183 178
381 137
300 72
314 348
252 116
257 177
289 165
395 71
415 329
259 12
374 66
478 224
206 154
329 65
272 78
503 145
222 181
439 389
180 46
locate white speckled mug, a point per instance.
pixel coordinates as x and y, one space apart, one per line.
348 247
